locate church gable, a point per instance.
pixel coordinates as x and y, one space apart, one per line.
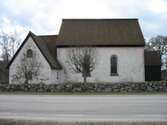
42 45
29 66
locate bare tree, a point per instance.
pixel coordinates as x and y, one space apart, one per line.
9 44
82 60
158 43
28 69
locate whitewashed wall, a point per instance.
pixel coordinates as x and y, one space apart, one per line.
57 76
130 65
46 75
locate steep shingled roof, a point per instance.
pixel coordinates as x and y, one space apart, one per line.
100 32
44 44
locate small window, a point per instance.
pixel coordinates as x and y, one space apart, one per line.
114 65
57 75
29 75
29 53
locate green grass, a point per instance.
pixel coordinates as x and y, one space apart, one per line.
29 122
81 93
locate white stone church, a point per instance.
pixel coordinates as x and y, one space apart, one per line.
118 43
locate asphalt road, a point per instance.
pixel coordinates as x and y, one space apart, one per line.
84 108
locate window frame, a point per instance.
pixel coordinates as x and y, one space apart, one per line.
57 75
114 61
29 75
29 53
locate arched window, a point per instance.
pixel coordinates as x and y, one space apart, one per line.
30 75
29 53
114 62
57 75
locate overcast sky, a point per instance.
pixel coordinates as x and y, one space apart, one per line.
45 16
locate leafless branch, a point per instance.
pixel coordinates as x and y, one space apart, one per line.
82 60
26 65
9 43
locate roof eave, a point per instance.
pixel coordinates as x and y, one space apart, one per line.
61 46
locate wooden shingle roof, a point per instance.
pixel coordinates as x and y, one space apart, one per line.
47 46
100 32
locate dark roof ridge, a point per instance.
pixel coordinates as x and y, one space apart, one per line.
92 19
33 34
47 35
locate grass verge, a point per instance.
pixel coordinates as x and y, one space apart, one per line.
82 93
29 122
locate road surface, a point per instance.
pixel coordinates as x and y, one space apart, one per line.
84 108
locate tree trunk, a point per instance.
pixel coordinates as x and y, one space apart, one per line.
26 78
85 80
26 81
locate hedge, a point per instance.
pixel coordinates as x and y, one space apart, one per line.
89 87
